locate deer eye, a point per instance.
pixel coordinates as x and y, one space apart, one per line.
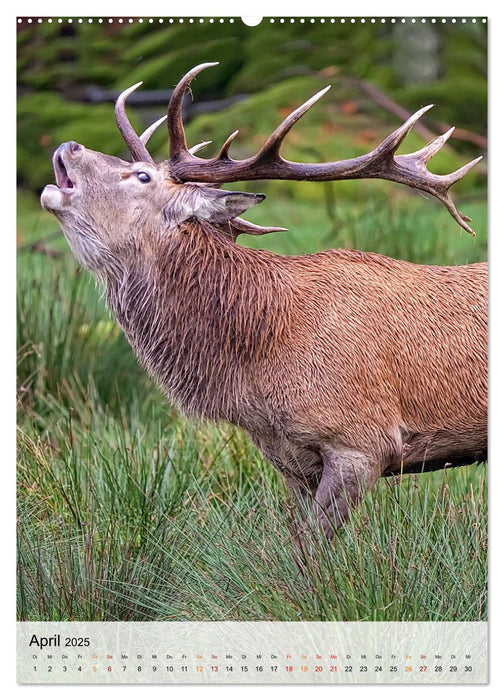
143 176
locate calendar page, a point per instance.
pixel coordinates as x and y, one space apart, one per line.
252 427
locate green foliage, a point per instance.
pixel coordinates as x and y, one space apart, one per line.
457 99
50 120
275 53
400 226
158 69
62 327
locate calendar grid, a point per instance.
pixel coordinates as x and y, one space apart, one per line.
252 652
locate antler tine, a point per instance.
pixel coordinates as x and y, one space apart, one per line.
178 144
272 145
454 177
198 147
224 151
418 177
253 229
394 140
151 129
430 150
131 138
460 218
445 182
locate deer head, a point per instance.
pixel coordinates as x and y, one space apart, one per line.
108 207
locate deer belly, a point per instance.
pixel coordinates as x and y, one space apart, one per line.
442 448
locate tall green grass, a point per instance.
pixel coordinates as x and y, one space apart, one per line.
127 511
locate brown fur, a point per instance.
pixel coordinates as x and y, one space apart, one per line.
342 366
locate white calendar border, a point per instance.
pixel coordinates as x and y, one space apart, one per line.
258 8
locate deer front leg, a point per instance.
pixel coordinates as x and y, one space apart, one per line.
301 467
346 476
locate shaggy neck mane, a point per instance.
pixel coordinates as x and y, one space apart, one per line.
199 310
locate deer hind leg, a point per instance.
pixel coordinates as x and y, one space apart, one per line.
346 476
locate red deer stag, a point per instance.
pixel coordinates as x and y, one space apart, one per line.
342 366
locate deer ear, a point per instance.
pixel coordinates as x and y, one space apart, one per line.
220 207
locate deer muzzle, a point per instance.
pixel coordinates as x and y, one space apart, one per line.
55 197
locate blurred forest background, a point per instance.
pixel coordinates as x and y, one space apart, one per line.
127 511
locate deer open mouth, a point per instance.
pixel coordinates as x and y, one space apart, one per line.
56 198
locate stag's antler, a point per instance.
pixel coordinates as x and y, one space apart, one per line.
135 143
383 163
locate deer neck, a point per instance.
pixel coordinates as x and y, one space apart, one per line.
200 313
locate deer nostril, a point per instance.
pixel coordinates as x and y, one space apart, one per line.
69 147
